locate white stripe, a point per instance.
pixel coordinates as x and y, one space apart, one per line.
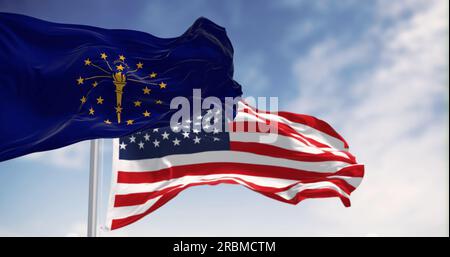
284 142
293 191
354 181
124 188
280 141
226 156
156 186
300 128
126 211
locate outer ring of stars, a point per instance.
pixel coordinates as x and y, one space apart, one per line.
119 68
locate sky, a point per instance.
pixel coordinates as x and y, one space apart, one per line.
377 71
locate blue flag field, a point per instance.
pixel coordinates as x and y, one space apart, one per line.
62 84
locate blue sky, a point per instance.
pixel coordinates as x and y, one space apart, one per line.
376 70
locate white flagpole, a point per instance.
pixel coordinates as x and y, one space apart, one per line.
93 189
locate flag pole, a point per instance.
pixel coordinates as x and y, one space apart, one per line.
93 189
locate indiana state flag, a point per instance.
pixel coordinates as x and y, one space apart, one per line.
60 83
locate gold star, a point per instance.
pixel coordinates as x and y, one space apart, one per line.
130 122
80 80
137 103
158 102
103 56
94 84
122 58
83 99
118 109
140 65
153 75
91 111
100 100
119 67
162 85
108 122
87 62
146 113
146 90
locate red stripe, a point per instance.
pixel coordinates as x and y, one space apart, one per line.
139 198
356 170
314 123
307 120
142 197
304 194
118 223
278 152
271 128
256 170
311 193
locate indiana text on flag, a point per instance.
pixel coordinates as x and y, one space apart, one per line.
62 83
307 159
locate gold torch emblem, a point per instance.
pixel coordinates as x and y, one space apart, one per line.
119 73
119 80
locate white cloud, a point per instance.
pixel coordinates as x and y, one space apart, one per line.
69 157
300 31
394 116
9 233
77 229
252 73
119 233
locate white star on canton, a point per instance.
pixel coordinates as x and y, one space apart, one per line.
186 134
165 135
175 128
216 131
155 130
207 119
188 121
147 137
176 141
209 111
123 146
141 145
206 126
199 117
218 112
197 140
156 143
196 131
216 139
132 139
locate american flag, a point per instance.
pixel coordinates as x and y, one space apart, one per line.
307 158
